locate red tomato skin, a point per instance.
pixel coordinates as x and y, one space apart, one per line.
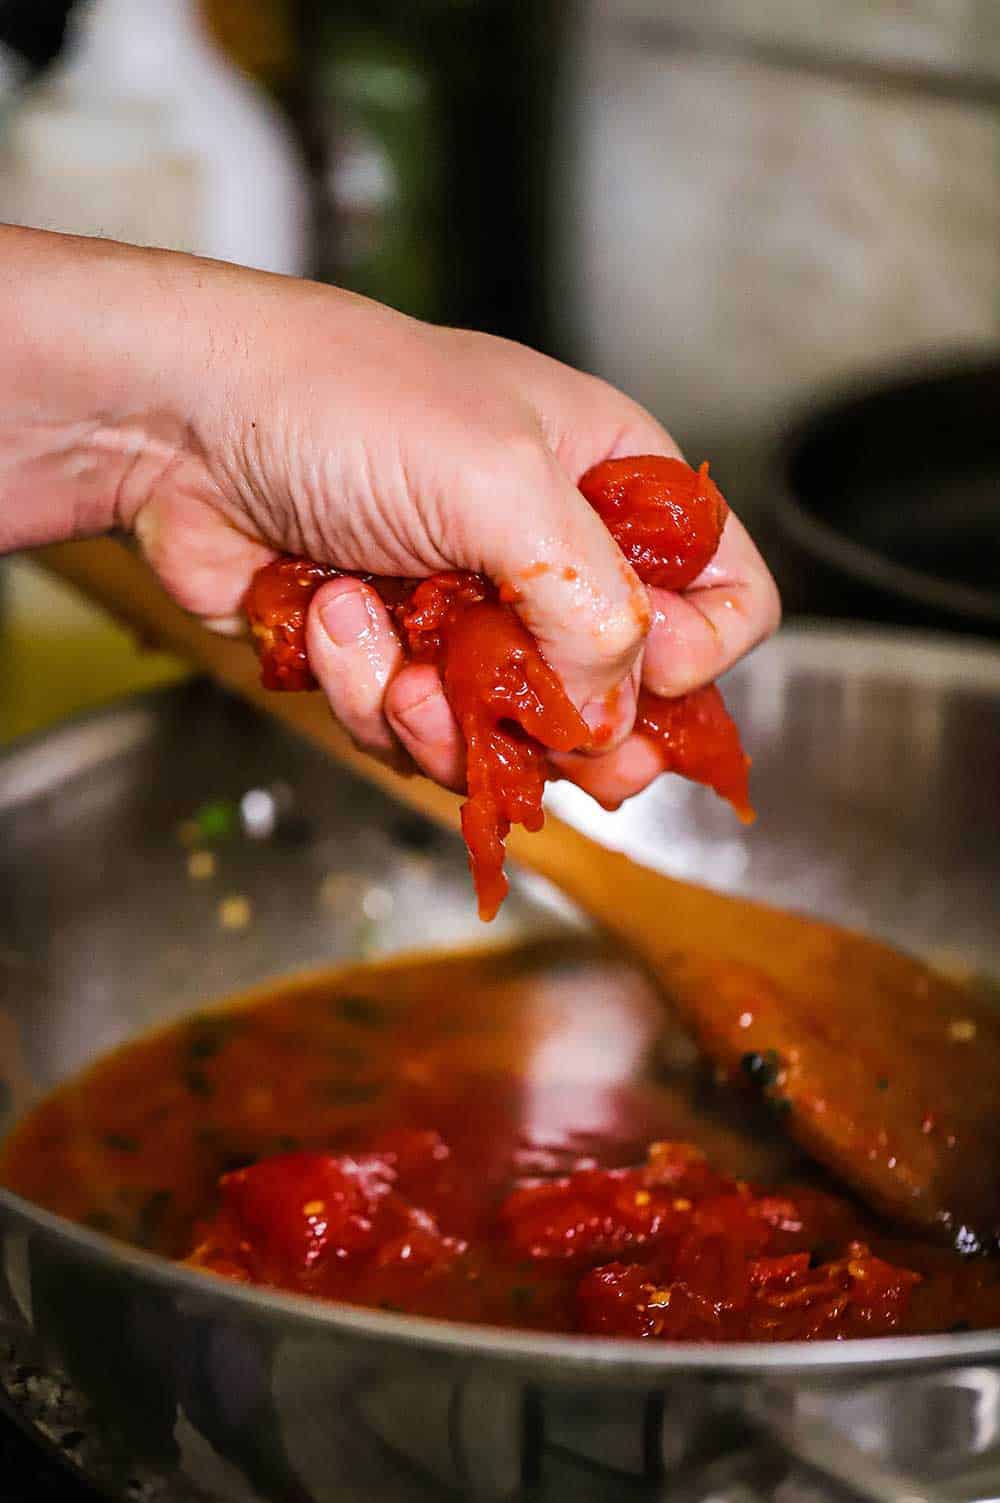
666 518
510 706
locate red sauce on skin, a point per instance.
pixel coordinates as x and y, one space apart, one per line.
511 707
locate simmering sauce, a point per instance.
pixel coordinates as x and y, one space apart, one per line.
514 1137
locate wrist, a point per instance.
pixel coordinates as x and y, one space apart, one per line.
108 368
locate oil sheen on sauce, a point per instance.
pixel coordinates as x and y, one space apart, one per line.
521 1075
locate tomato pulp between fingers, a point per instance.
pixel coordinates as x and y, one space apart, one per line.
509 704
276 606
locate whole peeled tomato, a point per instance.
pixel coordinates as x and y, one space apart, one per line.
666 518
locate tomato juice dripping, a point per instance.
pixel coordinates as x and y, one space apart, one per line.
511 708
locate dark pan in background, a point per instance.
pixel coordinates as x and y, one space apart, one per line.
888 502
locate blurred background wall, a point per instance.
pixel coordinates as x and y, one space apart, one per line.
763 199
728 207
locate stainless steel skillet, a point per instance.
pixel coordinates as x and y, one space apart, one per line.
878 778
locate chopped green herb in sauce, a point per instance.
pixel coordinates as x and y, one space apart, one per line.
204 1045
150 1217
121 1142
763 1067
365 1012
348 1092
198 1083
218 820
348 1055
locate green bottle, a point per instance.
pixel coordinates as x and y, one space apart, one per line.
430 125
380 145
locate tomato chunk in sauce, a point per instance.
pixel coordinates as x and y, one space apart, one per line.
500 1136
670 1250
511 708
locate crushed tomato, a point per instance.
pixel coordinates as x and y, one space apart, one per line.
466 1137
669 1250
511 708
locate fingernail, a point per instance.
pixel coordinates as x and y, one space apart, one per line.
145 525
226 626
599 716
345 618
607 716
427 719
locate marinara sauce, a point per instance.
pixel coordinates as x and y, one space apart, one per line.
513 1137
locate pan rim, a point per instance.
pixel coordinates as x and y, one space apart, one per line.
554 1354
889 650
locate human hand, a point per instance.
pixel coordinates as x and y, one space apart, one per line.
294 417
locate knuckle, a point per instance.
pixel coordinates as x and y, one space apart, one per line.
517 457
763 610
617 637
502 488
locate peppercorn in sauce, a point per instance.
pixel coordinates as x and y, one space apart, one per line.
514 1137
510 707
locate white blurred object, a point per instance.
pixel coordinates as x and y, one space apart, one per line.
146 133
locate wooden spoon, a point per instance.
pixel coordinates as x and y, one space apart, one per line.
884 1071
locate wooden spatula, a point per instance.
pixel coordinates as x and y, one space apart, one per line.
884 1071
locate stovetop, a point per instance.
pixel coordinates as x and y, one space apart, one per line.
49 1441
28 1474
49 1438
32 1469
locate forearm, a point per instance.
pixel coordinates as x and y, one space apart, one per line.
107 368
